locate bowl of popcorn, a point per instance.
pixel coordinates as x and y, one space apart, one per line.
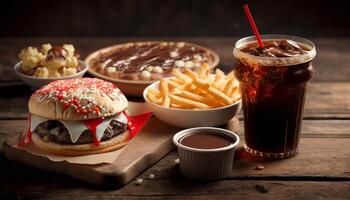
39 66
190 99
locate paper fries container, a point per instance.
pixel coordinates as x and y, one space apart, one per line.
188 118
206 164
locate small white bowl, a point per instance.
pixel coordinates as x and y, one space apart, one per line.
187 118
36 82
206 164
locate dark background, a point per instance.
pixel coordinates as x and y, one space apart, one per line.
128 18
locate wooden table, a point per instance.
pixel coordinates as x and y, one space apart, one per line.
320 171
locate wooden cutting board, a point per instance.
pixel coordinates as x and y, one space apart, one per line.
152 143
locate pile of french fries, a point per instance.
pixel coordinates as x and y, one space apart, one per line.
191 90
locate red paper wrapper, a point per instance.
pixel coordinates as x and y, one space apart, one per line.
137 122
134 125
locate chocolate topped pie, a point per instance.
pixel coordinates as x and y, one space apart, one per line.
148 61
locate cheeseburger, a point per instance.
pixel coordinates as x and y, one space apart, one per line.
78 117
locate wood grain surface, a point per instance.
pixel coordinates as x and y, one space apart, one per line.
321 170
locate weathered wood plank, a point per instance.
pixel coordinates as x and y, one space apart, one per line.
331 62
328 100
27 182
321 161
187 189
318 158
324 100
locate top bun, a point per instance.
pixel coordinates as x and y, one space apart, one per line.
77 99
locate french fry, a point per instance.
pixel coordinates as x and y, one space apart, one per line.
190 73
166 101
220 85
187 102
228 88
199 82
220 95
190 87
202 97
154 92
174 105
230 75
181 76
163 86
204 70
218 75
235 83
236 96
212 101
172 84
234 91
235 88
192 96
177 80
152 98
213 91
187 86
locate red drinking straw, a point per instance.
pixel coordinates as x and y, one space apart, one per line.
252 25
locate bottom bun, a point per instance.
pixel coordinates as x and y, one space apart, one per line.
82 149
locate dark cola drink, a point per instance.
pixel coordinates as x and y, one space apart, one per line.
273 82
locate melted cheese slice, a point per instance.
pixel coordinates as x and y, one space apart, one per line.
76 128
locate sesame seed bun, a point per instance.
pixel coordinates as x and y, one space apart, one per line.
82 149
77 99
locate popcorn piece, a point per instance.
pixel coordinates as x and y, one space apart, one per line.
41 72
259 167
157 69
55 63
70 49
174 54
111 69
145 74
31 58
54 72
138 181
45 48
69 71
189 64
72 61
180 44
179 63
150 68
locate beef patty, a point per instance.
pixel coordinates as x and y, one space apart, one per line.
55 131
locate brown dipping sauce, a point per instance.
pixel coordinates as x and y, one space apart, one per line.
205 140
